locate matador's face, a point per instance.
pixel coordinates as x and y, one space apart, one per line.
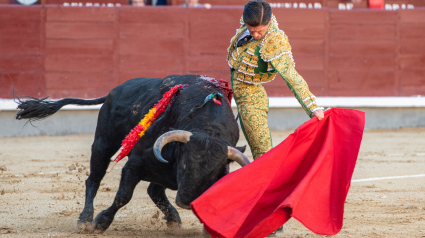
258 32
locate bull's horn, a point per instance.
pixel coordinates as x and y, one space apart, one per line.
236 155
178 135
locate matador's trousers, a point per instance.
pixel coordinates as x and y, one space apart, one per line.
253 106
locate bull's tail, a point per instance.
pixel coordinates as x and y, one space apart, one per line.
38 109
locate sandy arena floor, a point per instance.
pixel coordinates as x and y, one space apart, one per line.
42 190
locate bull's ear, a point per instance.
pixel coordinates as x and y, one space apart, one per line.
241 148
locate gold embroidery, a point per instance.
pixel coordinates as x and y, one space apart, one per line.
241 76
250 70
253 107
269 67
241 21
295 82
254 61
274 45
251 49
265 77
242 68
247 59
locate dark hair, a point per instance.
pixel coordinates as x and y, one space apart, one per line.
257 13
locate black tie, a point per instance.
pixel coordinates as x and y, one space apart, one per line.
244 40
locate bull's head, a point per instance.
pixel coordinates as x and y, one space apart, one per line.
202 161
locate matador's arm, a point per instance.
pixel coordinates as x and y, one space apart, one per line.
277 51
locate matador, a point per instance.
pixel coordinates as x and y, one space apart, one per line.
254 62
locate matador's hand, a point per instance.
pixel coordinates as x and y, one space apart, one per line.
319 114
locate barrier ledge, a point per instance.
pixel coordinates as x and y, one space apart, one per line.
288 102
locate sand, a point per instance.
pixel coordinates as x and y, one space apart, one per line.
42 190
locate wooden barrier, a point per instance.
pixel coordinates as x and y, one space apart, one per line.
86 51
323 3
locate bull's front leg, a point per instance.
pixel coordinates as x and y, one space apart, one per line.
157 194
129 179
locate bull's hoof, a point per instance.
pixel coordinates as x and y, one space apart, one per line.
85 227
102 222
174 225
98 231
84 223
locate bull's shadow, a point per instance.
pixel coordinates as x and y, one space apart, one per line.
178 152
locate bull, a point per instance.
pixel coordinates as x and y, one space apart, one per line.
178 152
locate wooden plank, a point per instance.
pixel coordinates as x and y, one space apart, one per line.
199 63
328 42
412 62
308 46
20 80
92 92
18 28
43 49
285 16
80 14
362 16
412 46
361 83
164 47
129 30
23 63
140 63
417 3
125 76
412 16
78 80
363 32
220 32
153 14
241 3
408 91
364 62
214 2
379 47
101 2
304 30
223 27
14 12
335 3
85 46
20 46
412 77
26 84
78 63
209 46
220 16
79 30
309 61
413 30
314 78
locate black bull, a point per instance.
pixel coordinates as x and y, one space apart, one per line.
210 135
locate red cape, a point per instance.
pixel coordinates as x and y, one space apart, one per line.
307 177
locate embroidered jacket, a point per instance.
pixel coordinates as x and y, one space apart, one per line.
259 61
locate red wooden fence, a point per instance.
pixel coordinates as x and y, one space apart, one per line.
86 51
